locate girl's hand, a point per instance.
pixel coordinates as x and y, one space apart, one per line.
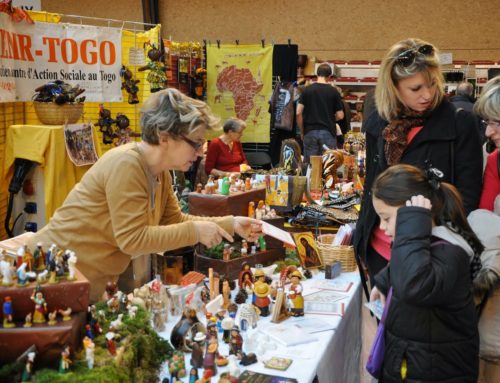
376 294
248 228
420 201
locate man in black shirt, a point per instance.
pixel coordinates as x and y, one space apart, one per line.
319 107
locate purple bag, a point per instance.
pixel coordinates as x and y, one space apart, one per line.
376 357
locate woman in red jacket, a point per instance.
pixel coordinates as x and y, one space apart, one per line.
488 107
225 153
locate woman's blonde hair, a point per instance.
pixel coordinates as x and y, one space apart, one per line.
170 111
387 97
488 105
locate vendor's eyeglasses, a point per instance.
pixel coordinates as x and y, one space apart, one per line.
196 145
407 57
493 124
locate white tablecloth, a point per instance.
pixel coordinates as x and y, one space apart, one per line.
334 357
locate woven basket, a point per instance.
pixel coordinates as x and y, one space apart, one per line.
330 254
50 113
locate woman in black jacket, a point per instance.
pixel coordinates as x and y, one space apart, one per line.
415 125
431 326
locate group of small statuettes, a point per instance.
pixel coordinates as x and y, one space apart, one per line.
258 286
225 185
43 266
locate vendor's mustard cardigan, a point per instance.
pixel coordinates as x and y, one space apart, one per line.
118 212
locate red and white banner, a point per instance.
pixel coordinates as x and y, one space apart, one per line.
34 54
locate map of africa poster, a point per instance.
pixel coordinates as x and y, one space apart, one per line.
239 84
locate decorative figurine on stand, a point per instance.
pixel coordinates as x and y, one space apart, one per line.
66 314
22 275
40 306
251 209
110 342
65 361
28 320
72 266
39 257
8 312
28 368
295 294
130 85
210 356
227 324
236 343
52 318
260 211
262 300
156 77
197 350
89 347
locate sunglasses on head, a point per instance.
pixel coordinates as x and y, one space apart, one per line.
407 57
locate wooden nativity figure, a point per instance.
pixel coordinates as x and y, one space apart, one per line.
156 77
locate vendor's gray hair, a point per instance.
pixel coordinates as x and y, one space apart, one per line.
169 111
488 105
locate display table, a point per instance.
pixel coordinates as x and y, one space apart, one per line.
334 357
45 145
219 205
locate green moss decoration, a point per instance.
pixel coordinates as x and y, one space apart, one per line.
139 362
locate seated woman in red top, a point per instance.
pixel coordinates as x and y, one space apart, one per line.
488 107
225 153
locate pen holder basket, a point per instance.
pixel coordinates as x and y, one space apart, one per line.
330 253
49 113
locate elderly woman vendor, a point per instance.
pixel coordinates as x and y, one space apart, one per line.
124 207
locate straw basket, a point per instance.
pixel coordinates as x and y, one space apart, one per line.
50 113
330 254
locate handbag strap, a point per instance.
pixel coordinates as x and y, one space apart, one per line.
386 306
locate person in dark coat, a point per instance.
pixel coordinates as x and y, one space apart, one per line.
415 125
431 330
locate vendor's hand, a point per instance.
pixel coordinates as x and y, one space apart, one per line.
210 234
420 201
376 294
248 228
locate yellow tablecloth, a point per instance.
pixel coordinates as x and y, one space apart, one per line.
45 145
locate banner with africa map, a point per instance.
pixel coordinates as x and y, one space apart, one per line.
239 84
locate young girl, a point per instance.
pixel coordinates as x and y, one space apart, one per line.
431 326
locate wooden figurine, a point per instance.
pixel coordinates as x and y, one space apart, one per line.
262 300
260 211
197 350
210 356
248 184
8 313
39 257
226 294
295 294
251 209
40 306
236 343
